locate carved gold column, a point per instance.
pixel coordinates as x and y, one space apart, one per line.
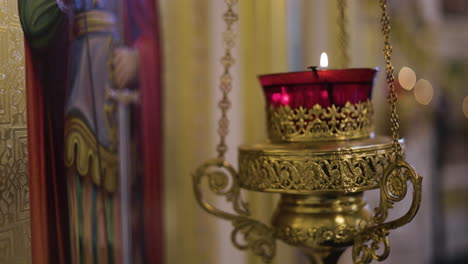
15 235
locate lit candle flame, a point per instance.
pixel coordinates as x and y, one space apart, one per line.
323 60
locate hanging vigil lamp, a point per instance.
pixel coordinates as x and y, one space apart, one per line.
321 156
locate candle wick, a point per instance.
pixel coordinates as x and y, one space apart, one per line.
314 71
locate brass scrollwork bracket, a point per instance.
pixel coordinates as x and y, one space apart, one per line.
223 181
393 189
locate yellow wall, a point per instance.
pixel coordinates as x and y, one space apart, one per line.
192 50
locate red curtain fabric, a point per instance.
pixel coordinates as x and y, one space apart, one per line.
36 163
45 87
142 31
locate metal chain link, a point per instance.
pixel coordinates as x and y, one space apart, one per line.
230 17
392 96
343 36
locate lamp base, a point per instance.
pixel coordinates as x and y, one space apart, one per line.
321 224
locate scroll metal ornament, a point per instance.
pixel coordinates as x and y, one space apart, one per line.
394 184
393 188
223 181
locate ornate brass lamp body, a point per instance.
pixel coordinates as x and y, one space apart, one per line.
321 156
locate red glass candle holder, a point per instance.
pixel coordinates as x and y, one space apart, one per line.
319 104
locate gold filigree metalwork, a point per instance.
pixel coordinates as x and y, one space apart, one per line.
303 169
81 153
393 188
363 254
320 223
394 184
321 160
301 124
223 180
390 78
230 18
314 237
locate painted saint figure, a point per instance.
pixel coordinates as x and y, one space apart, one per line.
94 46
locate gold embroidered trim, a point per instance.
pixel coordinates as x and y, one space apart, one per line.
81 153
351 121
93 21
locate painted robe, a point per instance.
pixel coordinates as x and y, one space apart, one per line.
76 41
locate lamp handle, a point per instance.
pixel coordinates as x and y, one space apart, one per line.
393 189
223 181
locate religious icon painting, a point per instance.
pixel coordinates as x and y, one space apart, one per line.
94 119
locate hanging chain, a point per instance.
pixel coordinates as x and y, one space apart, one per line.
392 96
343 36
230 17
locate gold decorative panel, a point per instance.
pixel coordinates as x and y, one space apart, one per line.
15 235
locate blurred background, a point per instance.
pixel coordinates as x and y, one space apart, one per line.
429 36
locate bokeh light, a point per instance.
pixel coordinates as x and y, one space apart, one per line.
407 78
423 92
